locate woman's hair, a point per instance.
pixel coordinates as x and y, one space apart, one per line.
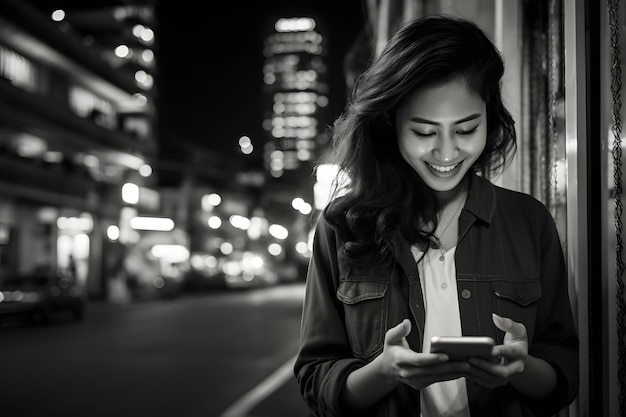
383 194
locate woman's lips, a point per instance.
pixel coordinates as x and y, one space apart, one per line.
444 171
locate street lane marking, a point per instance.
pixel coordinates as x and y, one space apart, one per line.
245 404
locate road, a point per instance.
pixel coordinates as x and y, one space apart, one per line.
222 354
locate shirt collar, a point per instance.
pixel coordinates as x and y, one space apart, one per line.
481 199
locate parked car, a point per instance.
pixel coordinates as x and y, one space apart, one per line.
40 296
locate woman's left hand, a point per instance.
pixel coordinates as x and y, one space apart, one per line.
509 358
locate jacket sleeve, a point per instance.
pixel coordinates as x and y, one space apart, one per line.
324 359
556 338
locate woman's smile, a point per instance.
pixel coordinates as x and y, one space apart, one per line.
444 171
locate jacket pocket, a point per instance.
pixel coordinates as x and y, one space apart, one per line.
365 307
517 300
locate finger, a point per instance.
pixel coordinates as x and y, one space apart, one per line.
397 333
438 370
488 374
507 325
411 358
502 323
491 367
502 370
489 378
510 352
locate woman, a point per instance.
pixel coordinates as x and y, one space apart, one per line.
418 243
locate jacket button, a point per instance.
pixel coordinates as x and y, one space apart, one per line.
466 294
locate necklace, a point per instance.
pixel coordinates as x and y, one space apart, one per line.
455 215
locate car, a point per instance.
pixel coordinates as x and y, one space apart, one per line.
40 296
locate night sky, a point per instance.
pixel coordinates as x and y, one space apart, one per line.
210 63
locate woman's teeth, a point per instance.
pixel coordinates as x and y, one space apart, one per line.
442 168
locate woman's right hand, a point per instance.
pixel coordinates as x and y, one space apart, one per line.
403 365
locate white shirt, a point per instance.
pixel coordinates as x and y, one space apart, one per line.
438 280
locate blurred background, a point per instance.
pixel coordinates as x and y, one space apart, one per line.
160 178
203 129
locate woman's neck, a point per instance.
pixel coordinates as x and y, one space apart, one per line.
446 198
451 204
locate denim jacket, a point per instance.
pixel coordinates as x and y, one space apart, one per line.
509 260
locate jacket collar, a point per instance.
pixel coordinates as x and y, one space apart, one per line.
481 199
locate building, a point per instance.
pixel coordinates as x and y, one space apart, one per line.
76 117
295 84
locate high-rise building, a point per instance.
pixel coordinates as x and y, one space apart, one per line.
296 88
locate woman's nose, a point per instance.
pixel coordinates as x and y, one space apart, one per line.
445 149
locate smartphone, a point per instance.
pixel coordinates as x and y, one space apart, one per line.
460 348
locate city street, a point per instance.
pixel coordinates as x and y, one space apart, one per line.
221 354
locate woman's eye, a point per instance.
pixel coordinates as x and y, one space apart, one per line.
466 132
423 134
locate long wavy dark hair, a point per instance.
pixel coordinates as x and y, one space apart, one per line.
383 194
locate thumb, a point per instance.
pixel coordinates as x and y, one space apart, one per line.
502 323
397 333
507 325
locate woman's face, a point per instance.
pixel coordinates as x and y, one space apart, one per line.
441 132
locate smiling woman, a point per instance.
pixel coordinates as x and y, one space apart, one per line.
419 244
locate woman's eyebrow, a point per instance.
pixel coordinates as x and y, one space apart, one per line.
417 119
